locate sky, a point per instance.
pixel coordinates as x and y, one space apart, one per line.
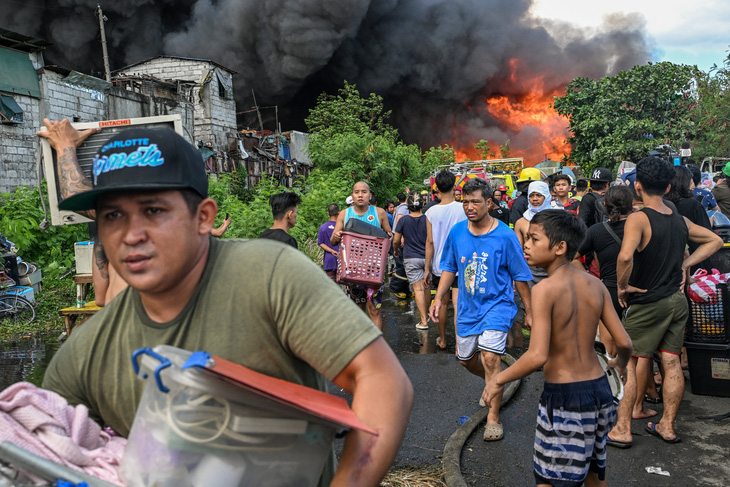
684 32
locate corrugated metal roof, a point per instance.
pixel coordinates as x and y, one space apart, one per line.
87 81
178 57
20 42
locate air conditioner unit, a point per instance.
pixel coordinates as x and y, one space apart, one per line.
85 154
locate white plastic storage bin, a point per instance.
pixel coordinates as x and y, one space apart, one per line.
84 253
195 430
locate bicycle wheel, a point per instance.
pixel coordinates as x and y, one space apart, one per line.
15 311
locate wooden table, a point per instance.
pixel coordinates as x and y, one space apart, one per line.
83 284
72 313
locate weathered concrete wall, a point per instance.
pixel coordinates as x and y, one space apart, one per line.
215 116
19 142
122 103
17 147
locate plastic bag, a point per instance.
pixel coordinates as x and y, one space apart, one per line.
705 289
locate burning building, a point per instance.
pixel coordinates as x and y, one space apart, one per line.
452 71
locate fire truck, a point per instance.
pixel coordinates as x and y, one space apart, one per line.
496 171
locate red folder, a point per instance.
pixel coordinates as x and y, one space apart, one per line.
311 401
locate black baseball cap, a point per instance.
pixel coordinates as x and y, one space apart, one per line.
142 159
601 175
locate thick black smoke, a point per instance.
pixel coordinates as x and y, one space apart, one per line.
434 61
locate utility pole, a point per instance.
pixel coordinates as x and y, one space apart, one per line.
102 18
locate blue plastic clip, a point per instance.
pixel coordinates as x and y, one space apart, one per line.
164 363
198 359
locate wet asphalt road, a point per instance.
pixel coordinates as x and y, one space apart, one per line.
446 394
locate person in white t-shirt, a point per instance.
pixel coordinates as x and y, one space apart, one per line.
439 220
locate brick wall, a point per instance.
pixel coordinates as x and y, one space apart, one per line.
215 117
17 146
19 143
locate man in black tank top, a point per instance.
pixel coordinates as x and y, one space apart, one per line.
651 270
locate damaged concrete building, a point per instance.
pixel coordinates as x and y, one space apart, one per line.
211 97
199 90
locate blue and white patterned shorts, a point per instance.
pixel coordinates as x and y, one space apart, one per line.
573 423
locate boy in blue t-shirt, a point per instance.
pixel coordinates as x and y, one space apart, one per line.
487 256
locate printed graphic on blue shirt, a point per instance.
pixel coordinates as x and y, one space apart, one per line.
475 273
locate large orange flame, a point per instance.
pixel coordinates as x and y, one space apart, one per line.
539 132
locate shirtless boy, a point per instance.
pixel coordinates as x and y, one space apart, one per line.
562 340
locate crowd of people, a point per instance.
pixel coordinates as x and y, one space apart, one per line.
583 260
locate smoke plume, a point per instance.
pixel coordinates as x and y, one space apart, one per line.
435 62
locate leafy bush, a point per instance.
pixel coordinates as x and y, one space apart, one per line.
52 249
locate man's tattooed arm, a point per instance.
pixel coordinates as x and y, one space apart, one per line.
102 263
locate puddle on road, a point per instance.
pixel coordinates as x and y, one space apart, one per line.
26 359
400 317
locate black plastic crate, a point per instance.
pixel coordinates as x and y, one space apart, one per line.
709 368
708 321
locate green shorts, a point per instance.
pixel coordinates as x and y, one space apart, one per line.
658 325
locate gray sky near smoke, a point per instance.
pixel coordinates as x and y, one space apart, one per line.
428 58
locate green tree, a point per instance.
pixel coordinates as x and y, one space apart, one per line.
711 113
52 249
485 151
623 117
349 134
504 150
348 112
439 156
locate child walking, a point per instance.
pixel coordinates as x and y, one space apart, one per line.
577 409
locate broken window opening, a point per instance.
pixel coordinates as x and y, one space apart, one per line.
10 111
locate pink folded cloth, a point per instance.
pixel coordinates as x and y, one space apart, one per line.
42 422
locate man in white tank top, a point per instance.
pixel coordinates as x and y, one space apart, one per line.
439 220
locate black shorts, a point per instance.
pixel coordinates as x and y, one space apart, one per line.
613 292
435 283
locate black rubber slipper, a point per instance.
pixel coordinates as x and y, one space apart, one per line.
618 444
652 431
653 400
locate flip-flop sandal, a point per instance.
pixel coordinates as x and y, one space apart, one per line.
419 326
651 429
618 444
652 400
493 432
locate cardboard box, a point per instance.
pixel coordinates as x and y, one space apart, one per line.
84 252
25 291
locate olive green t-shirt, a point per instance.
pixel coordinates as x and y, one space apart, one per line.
259 303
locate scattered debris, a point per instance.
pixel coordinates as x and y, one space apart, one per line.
657 470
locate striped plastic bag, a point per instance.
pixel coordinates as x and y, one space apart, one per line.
704 289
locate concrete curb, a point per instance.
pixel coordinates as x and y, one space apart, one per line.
452 450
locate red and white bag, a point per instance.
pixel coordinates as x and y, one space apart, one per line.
705 289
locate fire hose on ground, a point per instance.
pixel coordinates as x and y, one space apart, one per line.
452 450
